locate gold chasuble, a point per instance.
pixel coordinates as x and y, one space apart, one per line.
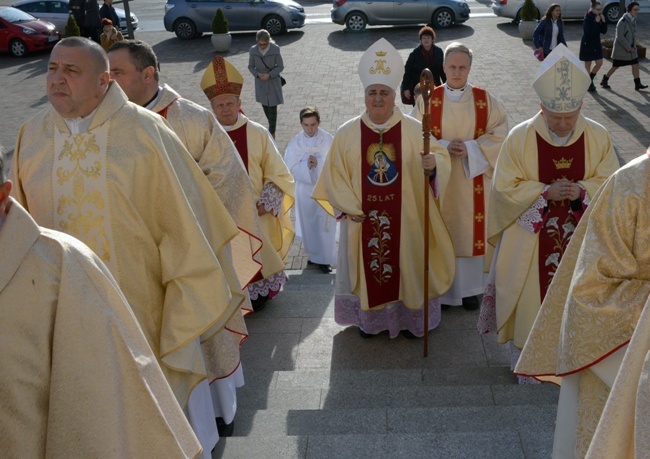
135 200
478 187
518 192
217 158
379 271
265 165
219 161
595 300
476 116
78 378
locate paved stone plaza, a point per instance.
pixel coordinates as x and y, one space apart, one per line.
315 389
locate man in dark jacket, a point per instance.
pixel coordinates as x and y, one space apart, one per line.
108 12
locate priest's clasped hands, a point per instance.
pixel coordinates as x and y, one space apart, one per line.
563 189
457 148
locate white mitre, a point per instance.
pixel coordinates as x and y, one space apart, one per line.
562 81
381 64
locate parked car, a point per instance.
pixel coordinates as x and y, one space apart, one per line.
190 18
357 14
57 12
21 33
571 9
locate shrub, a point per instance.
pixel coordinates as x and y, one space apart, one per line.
528 11
72 28
219 22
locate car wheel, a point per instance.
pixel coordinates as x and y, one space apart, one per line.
356 22
18 48
443 18
611 13
185 29
274 24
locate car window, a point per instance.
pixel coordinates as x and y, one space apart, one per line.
34 7
15 16
59 7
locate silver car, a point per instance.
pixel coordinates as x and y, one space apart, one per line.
571 9
190 18
57 12
357 14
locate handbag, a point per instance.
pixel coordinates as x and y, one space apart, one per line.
282 80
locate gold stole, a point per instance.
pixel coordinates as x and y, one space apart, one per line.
79 188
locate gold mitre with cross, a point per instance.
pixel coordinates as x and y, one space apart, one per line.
562 81
221 78
381 64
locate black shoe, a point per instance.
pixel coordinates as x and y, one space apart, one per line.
365 335
325 268
408 335
638 86
592 87
444 307
604 82
309 262
471 303
259 303
225 430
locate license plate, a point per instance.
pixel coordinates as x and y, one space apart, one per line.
53 38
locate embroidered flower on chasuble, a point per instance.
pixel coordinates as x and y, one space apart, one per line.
379 264
560 237
81 206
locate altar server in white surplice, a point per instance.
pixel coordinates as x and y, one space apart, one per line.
305 156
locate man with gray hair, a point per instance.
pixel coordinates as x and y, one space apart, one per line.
373 178
77 377
547 173
471 124
114 175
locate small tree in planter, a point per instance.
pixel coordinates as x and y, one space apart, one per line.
221 38
527 19
72 28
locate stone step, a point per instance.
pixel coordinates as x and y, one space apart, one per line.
505 430
504 444
345 396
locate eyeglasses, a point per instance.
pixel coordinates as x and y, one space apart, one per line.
262 44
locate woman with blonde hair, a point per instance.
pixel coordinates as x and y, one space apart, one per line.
265 64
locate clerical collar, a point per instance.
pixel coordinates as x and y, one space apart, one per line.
80 125
154 100
380 127
562 141
232 126
455 94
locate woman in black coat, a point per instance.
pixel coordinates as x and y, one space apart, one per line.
591 51
426 55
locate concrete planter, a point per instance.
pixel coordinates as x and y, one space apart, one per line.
221 42
526 29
